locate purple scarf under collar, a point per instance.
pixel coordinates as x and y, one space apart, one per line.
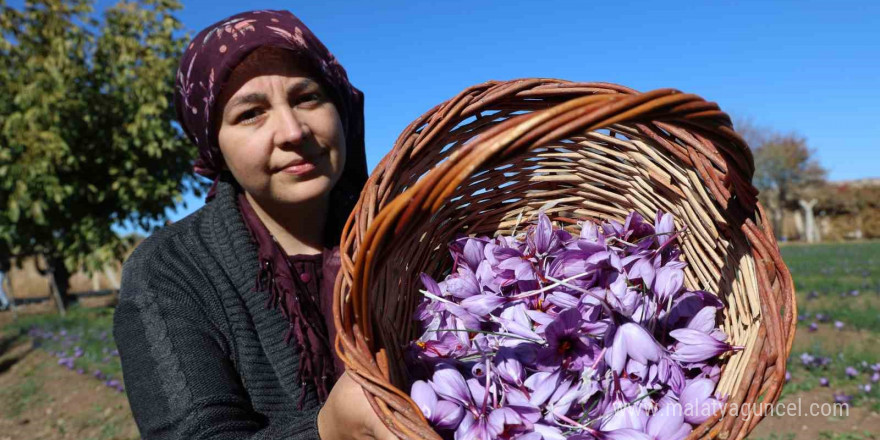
309 317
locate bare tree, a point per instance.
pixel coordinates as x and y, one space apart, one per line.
784 167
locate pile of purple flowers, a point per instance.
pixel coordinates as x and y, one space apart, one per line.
548 335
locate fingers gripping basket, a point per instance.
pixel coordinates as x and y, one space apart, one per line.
500 151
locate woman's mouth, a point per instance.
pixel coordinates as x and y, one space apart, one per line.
300 167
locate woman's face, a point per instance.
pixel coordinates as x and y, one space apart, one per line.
280 133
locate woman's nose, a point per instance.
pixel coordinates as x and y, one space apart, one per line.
290 130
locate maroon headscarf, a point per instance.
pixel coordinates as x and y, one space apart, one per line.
204 69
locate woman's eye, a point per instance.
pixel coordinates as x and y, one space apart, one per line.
248 116
308 98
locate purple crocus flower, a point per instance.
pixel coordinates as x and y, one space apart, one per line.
449 383
442 414
668 424
696 346
622 297
636 228
566 346
542 385
463 284
519 401
482 305
560 402
865 388
563 300
669 373
663 227
838 325
807 359
509 368
472 253
542 238
633 341
875 377
484 422
477 428
516 268
813 327
689 304
624 415
698 402
449 345
851 372
704 320
515 320
668 283
842 398
823 381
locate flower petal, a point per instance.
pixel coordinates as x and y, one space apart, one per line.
425 397
696 346
482 305
704 320
665 422
450 384
542 384
447 415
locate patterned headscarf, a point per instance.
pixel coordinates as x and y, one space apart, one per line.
204 69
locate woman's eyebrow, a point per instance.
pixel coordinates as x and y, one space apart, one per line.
254 98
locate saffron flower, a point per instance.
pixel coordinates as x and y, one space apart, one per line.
554 335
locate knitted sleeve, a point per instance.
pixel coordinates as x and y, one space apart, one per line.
176 360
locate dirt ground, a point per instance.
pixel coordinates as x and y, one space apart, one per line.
42 400
858 421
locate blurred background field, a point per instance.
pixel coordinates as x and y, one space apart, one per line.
60 377
836 352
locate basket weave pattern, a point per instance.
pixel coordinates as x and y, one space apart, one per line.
490 158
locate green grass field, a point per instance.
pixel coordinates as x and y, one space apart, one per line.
836 346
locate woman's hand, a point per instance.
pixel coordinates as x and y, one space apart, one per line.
346 415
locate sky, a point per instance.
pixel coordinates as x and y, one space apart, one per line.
807 67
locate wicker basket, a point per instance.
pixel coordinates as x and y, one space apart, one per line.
475 163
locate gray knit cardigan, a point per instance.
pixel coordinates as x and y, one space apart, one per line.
202 356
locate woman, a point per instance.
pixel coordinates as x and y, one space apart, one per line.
223 320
